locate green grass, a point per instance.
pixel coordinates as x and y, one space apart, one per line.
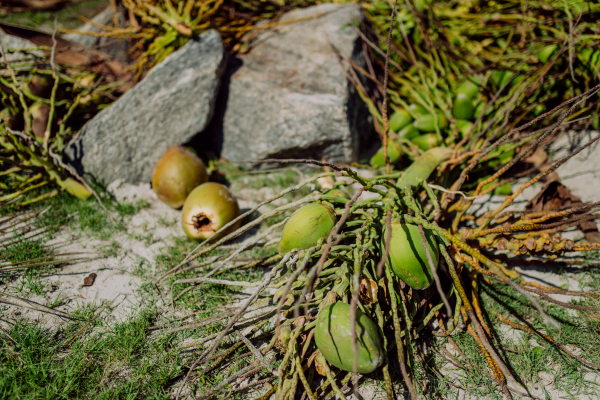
529 355
117 361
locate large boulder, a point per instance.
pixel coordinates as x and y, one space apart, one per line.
291 98
174 102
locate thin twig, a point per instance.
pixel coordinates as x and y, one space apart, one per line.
256 353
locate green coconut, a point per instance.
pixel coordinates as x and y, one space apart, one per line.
408 258
176 174
428 122
426 141
547 52
463 126
416 109
394 153
207 209
333 336
423 166
469 88
337 192
399 119
306 226
463 107
408 132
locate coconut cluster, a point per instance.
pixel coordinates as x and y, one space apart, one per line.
333 333
180 180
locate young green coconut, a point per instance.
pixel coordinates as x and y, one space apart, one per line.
306 226
207 209
333 336
394 154
337 192
408 258
176 174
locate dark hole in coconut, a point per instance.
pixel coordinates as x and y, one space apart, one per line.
201 222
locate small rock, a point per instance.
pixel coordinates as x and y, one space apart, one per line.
174 102
89 280
291 98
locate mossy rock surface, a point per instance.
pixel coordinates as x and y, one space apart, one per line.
333 336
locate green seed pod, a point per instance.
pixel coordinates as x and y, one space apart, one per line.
426 141
590 56
408 132
463 126
468 88
417 109
503 190
497 77
463 107
407 256
423 166
545 54
394 153
337 192
306 226
176 174
500 78
578 6
207 209
399 119
333 336
427 123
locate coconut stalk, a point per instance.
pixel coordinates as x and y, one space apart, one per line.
338 266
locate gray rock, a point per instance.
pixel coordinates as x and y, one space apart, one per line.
114 47
174 102
291 97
